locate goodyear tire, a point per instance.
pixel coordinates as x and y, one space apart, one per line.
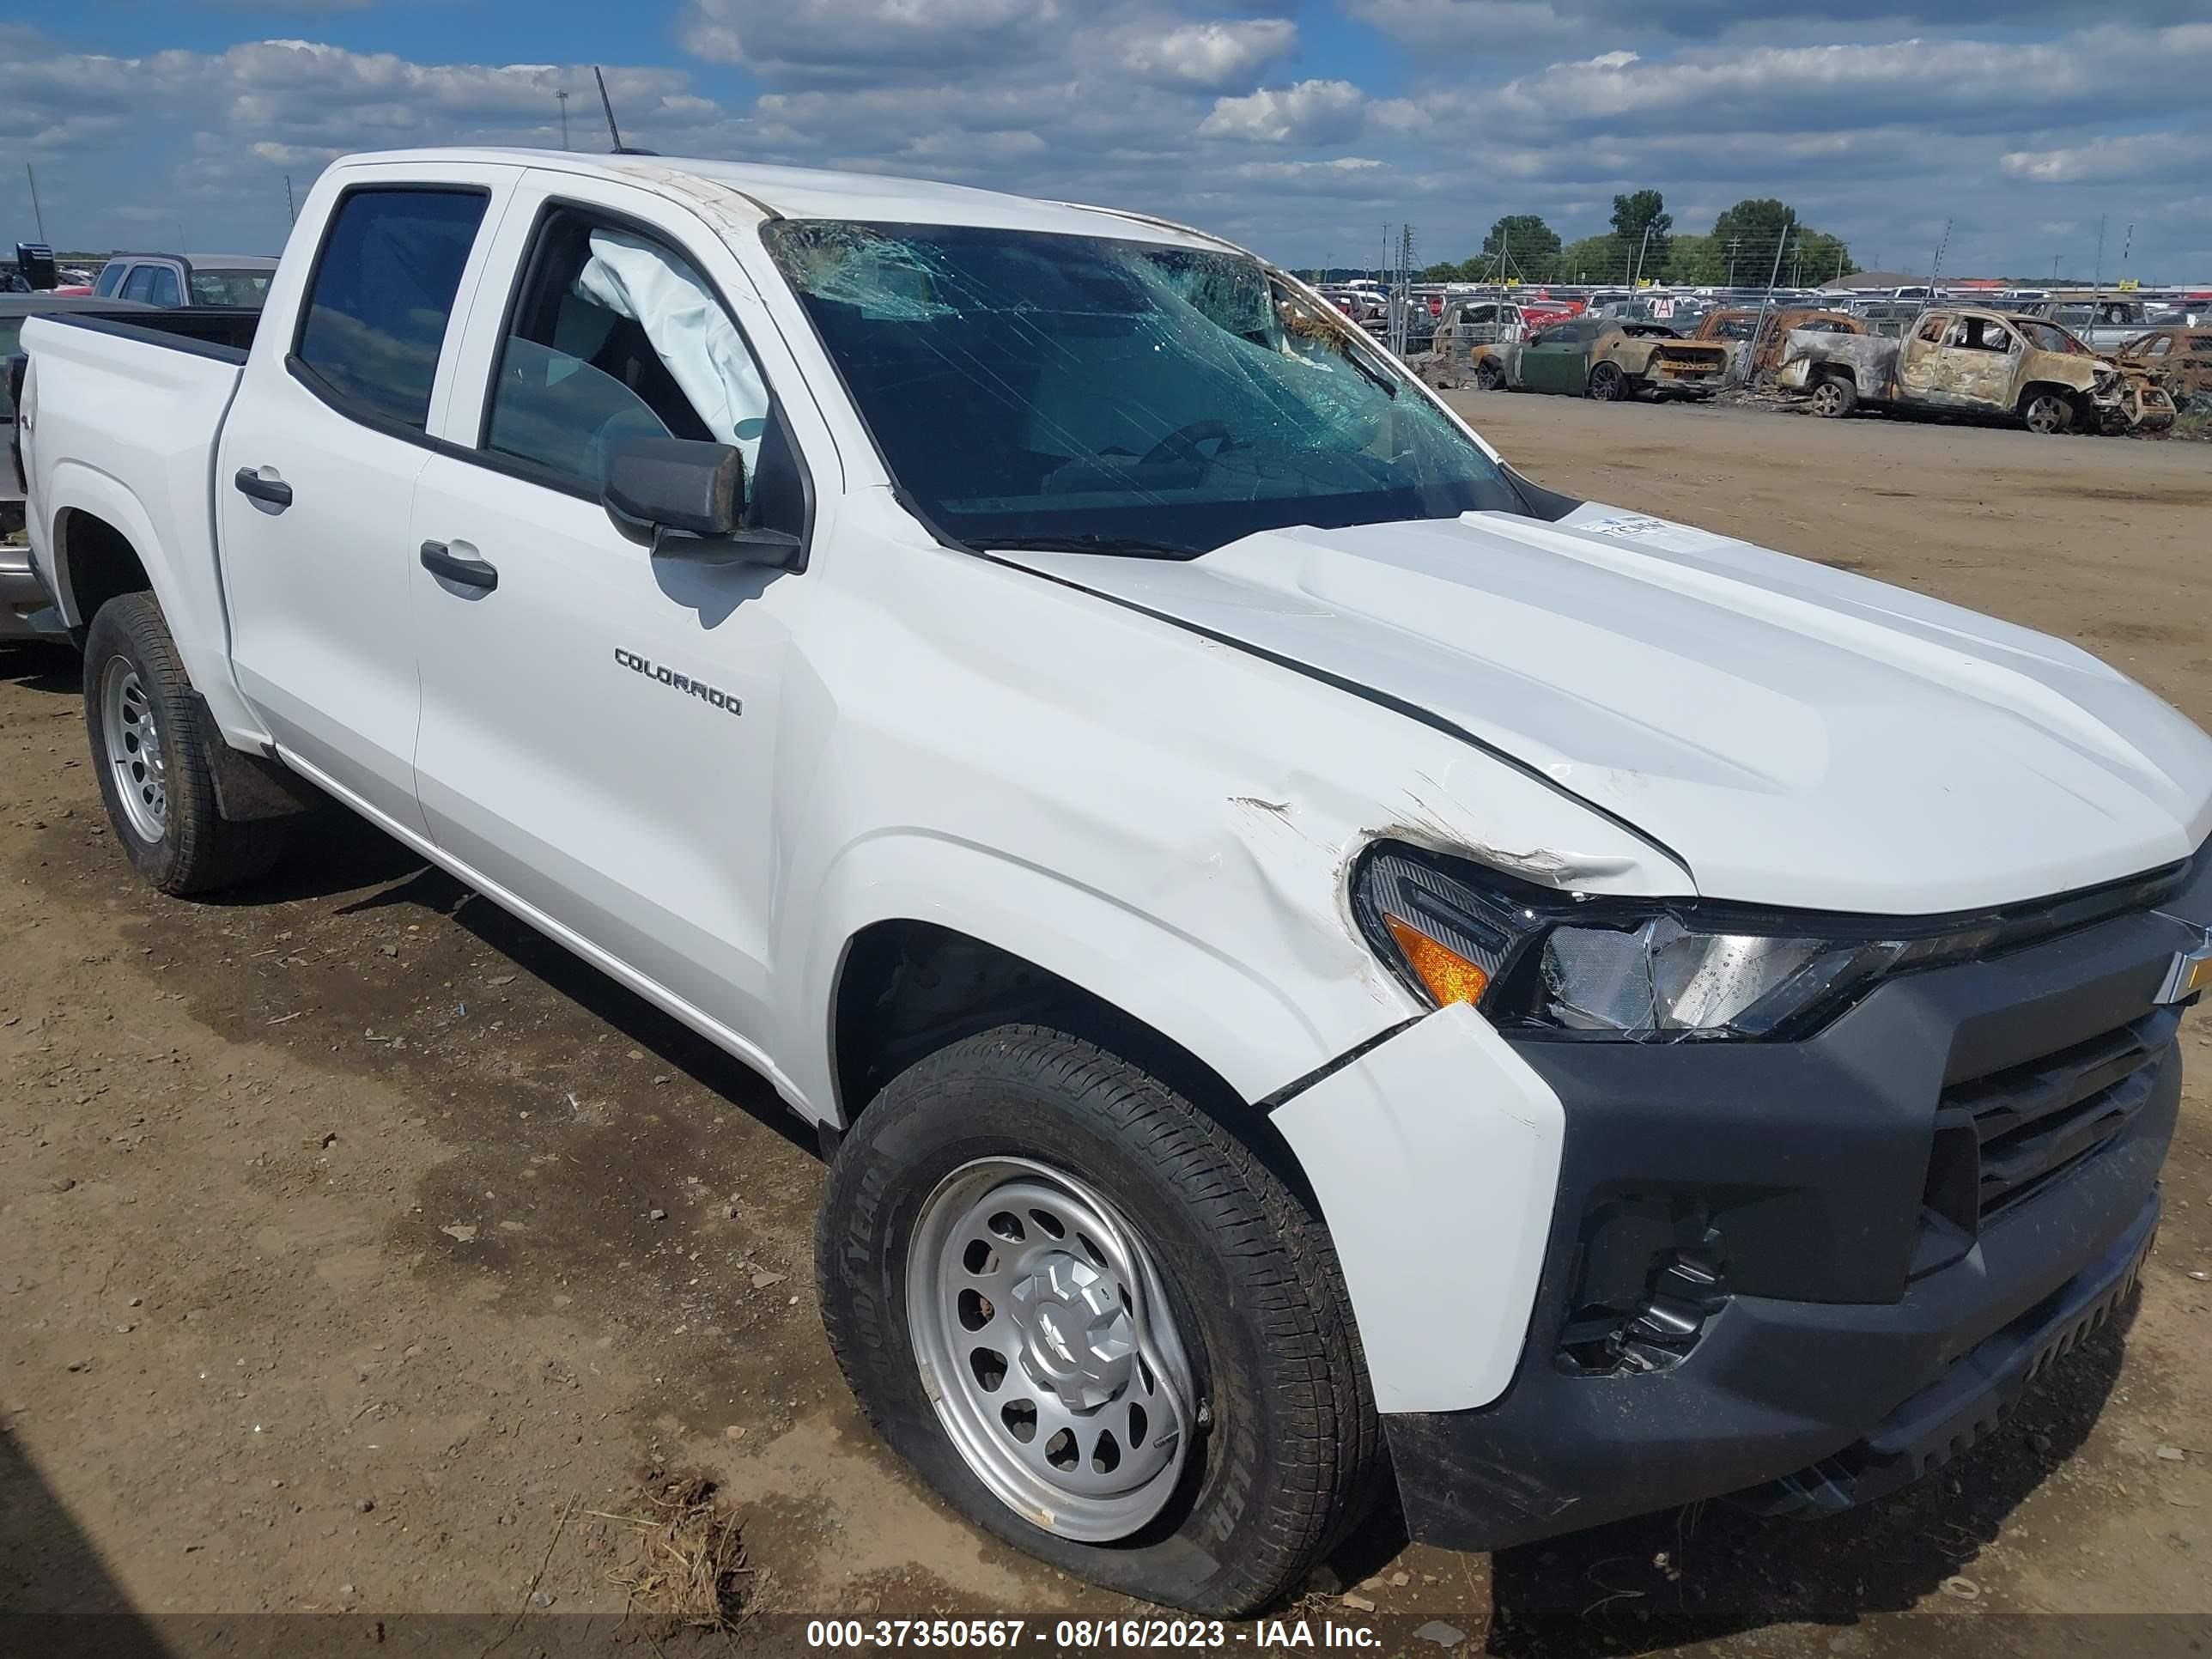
952 1240
148 755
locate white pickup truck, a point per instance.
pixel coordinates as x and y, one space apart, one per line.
1315 959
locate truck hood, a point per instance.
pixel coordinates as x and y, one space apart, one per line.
1791 734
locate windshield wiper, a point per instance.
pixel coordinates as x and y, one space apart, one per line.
1350 354
1136 544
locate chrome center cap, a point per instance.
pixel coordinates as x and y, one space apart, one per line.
1076 1339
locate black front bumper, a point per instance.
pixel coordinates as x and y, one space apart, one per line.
1805 1274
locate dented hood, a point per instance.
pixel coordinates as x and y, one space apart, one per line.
1794 735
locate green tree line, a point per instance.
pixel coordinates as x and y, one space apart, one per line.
1644 244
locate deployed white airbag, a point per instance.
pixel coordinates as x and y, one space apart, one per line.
689 331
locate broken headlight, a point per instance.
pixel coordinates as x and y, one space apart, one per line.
1537 960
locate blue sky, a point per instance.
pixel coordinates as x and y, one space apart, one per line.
1299 126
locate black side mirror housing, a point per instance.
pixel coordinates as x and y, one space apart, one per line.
685 499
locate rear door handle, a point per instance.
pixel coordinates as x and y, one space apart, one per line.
470 572
275 491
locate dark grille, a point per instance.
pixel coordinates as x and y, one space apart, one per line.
2001 1138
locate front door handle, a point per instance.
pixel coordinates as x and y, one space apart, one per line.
470 572
275 491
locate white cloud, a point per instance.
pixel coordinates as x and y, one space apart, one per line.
1222 113
1210 56
2128 156
1466 26
1943 83
1309 112
840 39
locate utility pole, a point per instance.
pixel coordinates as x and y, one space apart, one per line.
1734 242
1936 269
2126 244
562 94
1759 327
1640 247
37 212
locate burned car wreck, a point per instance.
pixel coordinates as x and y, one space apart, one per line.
1605 358
1974 362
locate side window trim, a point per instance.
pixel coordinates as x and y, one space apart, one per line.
533 252
303 371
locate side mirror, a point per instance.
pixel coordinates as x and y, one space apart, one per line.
685 499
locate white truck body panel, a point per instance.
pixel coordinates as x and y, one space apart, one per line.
1397 1134
1152 778
147 419
1799 736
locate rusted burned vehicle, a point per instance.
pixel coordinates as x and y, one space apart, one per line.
1605 358
1734 328
2178 359
1977 363
1477 320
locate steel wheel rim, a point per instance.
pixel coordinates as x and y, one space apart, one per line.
1051 1357
133 737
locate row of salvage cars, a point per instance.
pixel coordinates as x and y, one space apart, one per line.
1948 360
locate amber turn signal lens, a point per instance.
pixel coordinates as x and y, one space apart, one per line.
1450 976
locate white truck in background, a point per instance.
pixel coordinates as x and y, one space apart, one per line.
1315 959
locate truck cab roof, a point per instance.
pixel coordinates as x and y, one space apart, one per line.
784 193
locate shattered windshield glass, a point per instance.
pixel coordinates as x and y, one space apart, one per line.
1035 389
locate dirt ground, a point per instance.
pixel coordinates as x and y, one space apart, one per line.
358 1249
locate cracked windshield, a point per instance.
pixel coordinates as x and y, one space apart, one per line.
1082 393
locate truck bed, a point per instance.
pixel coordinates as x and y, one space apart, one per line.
223 331
147 396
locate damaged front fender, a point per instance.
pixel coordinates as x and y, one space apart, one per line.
1435 1159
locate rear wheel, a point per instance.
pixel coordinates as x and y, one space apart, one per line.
152 769
1834 397
1096 1323
1488 376
1607 384
2049 412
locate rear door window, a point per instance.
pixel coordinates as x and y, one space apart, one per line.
139 284
162 288
382 294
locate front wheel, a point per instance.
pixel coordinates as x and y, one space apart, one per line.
1096 1323
155 776
2049 412
1488 376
